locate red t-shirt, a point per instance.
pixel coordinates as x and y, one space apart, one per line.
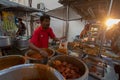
40 37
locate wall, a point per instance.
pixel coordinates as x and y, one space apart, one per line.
20 1
49 4
75 28
58 27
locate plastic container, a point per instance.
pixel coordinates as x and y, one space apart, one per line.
30 72
62 50
74 61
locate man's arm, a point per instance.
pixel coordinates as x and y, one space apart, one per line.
41 51
58 39
52 35
32 46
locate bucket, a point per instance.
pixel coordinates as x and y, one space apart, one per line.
31 72
11 60
75 62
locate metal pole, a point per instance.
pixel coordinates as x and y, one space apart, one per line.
31 24
104 31
110 7
27 24
67 20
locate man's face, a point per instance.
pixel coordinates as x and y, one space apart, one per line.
46 23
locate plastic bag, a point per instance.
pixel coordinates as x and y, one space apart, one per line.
63 47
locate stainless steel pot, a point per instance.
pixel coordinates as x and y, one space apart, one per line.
5 41
22 43
30 72
72 60
11 60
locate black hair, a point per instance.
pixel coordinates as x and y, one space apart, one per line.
19 19
44 17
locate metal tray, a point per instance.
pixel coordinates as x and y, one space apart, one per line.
98 73
96 67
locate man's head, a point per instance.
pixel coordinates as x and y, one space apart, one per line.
45 21
19 20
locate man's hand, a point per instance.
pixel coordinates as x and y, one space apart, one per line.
59 39
43 53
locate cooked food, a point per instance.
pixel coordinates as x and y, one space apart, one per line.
91 51
111 55
94 61
116 58
62 50
90 60
75 45
93 69
37 55
68 70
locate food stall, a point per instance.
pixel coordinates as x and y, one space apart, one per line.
89 58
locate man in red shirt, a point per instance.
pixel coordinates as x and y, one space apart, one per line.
41 36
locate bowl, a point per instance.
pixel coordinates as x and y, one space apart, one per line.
75 62
11 60
35 57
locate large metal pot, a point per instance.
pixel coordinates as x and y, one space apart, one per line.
5 41
22 43
11 60
30 72
74 61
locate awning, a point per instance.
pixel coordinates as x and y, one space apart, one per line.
9 5
61 13
95 9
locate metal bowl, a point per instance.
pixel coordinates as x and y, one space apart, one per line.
74 61
30 72
5 41
30 53
11 60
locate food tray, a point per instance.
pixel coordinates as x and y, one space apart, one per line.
96 67
95 61
96 71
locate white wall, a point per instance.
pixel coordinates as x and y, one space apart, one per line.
20 1
75 28
49 4
58 27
